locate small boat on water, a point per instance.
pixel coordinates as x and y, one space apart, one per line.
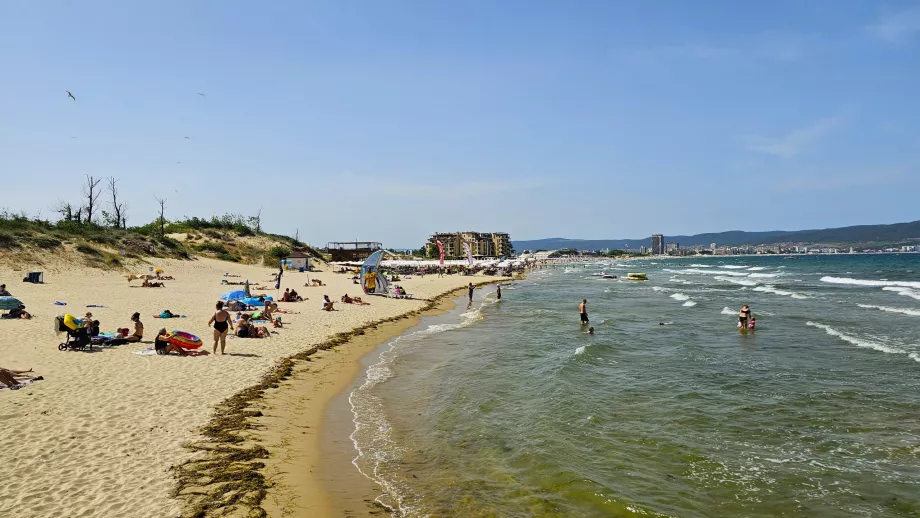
609 277
636 277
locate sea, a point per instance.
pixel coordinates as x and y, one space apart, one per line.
508 408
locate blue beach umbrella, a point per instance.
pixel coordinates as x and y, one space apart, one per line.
234 295
9 303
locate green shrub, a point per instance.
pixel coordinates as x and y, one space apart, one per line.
86 248
45 241
228 257
276 253
8 240
211 246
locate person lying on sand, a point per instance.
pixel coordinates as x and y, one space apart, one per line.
148 284
8 376
17 313
354 300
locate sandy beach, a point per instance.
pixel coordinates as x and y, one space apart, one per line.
99 434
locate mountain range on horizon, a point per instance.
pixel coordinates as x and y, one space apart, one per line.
867 235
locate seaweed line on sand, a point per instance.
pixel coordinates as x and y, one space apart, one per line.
224 478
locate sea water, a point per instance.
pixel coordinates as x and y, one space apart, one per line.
509 409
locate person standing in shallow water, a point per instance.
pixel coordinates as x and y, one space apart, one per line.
583 311
470 303
498 292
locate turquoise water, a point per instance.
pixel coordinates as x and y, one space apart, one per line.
509 409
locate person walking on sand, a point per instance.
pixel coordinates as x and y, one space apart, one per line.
583 311
221 321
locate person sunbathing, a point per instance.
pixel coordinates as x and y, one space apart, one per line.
148 284
18 312
354 300
8 376
138 329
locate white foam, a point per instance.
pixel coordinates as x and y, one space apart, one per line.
773 290
692 271
689 304
580 350
914 356
701 265
734 267
680 296
740 282
728 311
864 282
907 292
912 312
762 275
660 288
866 344
757 268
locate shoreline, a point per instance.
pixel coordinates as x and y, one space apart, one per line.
252 454
167 435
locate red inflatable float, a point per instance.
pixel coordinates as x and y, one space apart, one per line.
185 340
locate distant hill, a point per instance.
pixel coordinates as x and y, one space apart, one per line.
866 235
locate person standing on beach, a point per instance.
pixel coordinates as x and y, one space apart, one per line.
583 311
221 321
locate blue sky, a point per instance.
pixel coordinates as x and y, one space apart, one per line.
390 120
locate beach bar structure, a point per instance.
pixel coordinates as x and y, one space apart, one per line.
352 250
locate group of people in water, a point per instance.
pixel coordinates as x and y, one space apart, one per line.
746 320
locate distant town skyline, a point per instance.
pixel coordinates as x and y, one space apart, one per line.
388 121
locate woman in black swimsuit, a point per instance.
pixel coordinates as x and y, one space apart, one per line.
221 321
743 316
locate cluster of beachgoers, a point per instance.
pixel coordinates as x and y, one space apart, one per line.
123 404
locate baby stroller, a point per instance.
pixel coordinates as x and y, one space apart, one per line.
76 339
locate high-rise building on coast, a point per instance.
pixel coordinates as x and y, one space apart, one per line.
658 244
482 244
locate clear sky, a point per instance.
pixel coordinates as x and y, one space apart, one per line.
388 120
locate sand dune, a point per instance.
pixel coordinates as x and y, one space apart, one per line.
98 435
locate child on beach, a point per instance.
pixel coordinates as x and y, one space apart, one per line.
753 321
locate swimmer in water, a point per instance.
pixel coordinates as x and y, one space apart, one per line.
753 321
665 323
590 330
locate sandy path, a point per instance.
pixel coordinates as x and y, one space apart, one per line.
97 436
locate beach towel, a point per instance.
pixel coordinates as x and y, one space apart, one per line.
59 303
163 315
22 382
95 306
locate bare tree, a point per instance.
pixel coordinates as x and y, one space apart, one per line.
255 222
64 209
119 210
162 219
92 192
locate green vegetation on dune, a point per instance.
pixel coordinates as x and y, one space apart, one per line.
228 238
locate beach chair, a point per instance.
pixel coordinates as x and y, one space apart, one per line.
77 340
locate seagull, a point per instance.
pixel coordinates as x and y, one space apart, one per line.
186 138
71 95
178 162
201 94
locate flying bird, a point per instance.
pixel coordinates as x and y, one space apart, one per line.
71 95
201 94
186 138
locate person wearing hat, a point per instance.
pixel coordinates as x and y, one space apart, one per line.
3 292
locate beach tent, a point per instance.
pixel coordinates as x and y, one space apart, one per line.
9 303
234 295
